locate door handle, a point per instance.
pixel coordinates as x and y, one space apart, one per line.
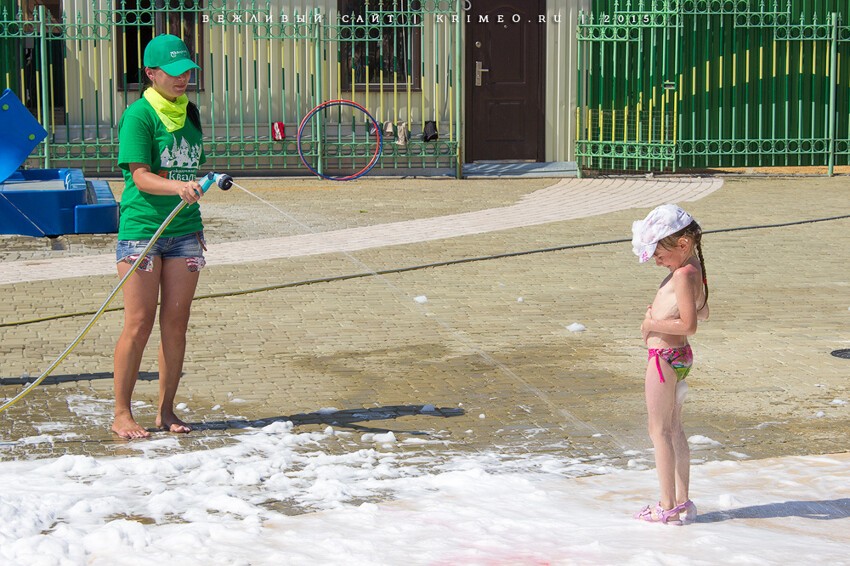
478 70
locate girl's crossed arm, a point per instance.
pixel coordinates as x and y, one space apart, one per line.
685 280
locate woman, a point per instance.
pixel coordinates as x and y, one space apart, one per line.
160 150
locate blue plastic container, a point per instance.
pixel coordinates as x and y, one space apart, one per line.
52 202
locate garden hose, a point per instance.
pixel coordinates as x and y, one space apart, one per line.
223 181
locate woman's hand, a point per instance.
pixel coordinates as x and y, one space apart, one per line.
190 191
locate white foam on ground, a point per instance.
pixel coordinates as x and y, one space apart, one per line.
275 497
698 441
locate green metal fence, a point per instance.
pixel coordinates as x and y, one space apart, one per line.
671 84
263 62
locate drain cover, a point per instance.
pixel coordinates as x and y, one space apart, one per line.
841 354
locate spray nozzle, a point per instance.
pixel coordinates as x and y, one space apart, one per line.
223 180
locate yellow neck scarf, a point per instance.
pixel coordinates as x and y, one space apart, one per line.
172 114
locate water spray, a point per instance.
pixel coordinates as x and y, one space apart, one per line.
223 181
537 392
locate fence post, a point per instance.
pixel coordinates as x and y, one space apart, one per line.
458 66
579 91
45 84
833 86
317 86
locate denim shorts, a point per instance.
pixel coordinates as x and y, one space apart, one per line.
191 247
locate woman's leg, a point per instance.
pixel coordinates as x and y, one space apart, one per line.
660 405
682 453
140 297
178 289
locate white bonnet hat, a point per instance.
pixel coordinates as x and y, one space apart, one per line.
664 220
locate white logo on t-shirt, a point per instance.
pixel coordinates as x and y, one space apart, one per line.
182 155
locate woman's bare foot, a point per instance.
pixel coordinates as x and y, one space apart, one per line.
125 426
170 423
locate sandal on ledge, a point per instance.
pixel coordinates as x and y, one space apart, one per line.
661 515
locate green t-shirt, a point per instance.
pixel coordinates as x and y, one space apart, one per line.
142 138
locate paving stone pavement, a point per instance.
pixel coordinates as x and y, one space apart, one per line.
570 198
486 344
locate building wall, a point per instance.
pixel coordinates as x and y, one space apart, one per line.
561 74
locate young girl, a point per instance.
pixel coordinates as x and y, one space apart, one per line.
673 238
160 149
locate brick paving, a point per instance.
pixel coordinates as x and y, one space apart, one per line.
489 348
568 199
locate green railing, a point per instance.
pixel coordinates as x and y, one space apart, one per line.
262 62
725 83
626 117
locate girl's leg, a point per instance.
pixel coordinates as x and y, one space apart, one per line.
140 296
660 405
178 289
683 455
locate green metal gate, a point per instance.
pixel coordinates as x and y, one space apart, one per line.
263 62
696 84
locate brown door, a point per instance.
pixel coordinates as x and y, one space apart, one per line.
505 81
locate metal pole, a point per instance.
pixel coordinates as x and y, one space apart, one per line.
833 86
317 69
579 93
45 81
457 78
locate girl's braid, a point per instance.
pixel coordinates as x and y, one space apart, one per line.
696 231
702 264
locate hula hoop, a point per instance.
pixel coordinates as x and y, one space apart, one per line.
379 138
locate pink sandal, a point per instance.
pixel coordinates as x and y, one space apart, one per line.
660 515
690 512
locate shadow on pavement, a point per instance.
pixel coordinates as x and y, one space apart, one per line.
341 418
56 379
818 510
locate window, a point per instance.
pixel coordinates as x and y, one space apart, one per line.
53 9
382 37
137 21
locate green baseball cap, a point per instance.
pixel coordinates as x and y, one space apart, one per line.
169 53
